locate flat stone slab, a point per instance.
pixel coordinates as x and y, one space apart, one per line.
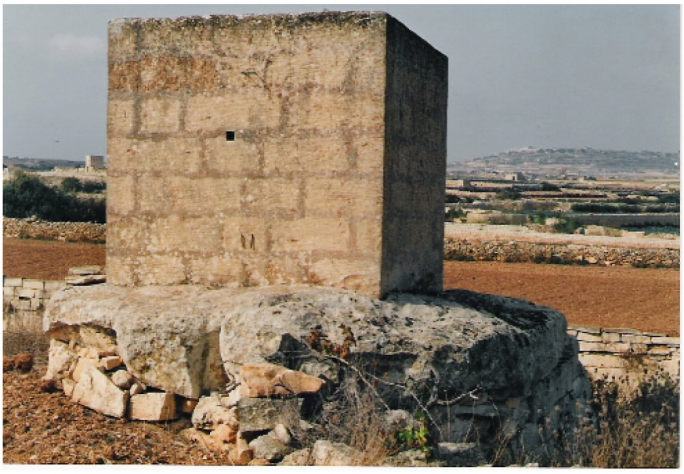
188 339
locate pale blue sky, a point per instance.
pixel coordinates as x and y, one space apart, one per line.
534 75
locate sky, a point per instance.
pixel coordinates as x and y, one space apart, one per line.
547 76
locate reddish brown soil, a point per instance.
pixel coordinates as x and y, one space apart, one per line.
49 428
640 298
47 260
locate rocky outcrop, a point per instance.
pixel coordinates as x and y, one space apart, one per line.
466 359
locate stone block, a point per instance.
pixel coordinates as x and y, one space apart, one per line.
263 414
96 391
587 337
82 365
269 447
34 284
611 337
85 280
13 282
160 115
158 406
660 350
8 290
670 341
210 413
304 235
592 346
326 453
26 293
122 193
120 118
60 360
111 362
264 380
68 387
122 379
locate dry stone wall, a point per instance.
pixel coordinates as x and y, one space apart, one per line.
266 150
627 356
471 249
31 228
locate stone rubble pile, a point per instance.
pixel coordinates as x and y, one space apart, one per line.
254 368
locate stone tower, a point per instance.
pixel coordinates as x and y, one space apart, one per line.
276 149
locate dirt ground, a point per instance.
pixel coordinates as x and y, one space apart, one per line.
638 298
47 260
49 428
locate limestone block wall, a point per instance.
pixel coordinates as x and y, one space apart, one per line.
252 151
415 162
25 299
626 356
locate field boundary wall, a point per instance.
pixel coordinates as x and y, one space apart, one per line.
64 231
465 248
626 356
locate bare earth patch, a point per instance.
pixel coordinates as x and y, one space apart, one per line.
639 298
47 260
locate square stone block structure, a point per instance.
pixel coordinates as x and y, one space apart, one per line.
276 150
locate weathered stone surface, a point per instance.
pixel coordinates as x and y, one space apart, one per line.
85 280
269 447
68 386
111 362
297 458
263 380
281 432
159 406
224 434
122 379
448 344
60 360
136 389
210 413
242 454
410 458
81 366
460 454
96 391
325 453
89 270
263 414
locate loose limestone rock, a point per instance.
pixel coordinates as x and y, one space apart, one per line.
263 414
61 357
210 413
111 362
326 453
269 447
460 454
81 366
122 379
96 391
153 407
263 380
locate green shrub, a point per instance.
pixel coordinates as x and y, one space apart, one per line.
75 185
508 194
26 195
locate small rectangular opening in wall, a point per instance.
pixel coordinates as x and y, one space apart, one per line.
230 136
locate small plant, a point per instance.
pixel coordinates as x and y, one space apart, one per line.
320 342
416 437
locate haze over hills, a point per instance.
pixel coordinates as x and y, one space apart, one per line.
557 162
40 164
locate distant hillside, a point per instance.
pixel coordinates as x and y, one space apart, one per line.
555 162
40 164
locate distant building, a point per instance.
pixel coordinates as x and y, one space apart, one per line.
94 162
514 177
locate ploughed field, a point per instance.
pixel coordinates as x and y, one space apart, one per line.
639 298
